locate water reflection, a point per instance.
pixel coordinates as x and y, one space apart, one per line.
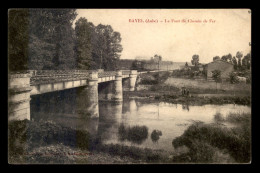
110 115
121 122
185 107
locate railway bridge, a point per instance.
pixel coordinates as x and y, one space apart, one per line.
23 85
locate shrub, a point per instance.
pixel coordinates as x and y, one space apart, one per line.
218 117
148 82
233 78
236 141
155 135
35 134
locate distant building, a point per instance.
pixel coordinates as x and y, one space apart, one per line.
125 64
146 65
225 67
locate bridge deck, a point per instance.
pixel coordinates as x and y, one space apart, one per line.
56 76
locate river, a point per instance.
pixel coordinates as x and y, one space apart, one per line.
171 119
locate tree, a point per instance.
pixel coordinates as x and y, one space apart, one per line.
229 57
246 62
18 39
234 61
239 55
216 75
52 38
83 44
157 58
186 64
64 57
224 58
195 60
216 58
106 47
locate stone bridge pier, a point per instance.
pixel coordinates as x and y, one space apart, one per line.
19 97
132 79
88 98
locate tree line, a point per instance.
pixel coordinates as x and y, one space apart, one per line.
44 39
239 62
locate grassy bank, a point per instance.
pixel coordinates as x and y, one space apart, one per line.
197 100
169 89
209 142
46 142
176 98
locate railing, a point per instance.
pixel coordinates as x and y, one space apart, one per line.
106 74
52 76
126 72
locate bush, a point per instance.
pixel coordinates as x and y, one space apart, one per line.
218 117
236 141
148 82
201 152
145 154
27 134
233 78
155 135
238 118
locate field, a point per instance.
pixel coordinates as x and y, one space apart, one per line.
166 88
209 87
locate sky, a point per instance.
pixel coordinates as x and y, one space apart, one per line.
206 32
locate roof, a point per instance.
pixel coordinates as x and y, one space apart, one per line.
219 60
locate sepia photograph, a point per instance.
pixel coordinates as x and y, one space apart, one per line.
129 86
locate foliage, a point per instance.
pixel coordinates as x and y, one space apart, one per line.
106 47
53 26
246 62
236 141
234 61
41 39
195 60
156 58
146 154
216 75
25 134
149 82
218 117
45 39
216 58
83 43
233 78
18 28
239 55
137 65
155 135
227 58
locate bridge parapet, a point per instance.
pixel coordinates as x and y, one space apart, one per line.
54 76
106 74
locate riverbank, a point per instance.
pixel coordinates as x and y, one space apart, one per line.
195 99
169 89
48 143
